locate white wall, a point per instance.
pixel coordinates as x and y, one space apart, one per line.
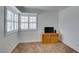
69 26
7 42
44 19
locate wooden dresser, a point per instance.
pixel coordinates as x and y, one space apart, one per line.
50 38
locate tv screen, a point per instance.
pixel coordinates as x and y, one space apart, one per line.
49 29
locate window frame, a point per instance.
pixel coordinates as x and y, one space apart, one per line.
19 23
23 22
5 21
33 22
29 23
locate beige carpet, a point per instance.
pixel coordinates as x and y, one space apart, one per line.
42 48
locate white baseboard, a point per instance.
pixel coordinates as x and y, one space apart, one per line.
13 47
71 45
28 41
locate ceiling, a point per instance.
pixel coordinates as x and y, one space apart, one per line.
40 9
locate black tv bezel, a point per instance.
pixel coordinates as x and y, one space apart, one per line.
49 29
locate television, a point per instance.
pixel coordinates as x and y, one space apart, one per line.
49 29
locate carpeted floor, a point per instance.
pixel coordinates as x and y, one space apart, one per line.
36 47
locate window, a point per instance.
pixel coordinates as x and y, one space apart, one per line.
28 22
24 22
16 22
32 22
11 21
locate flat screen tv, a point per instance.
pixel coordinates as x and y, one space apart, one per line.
49 29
